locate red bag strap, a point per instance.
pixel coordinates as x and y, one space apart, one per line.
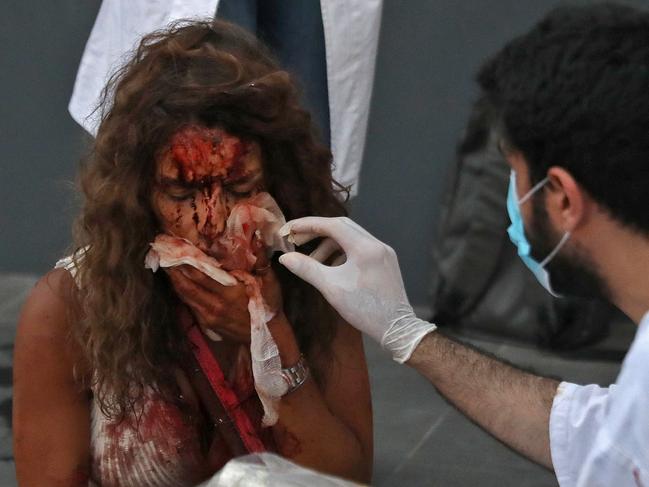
212 371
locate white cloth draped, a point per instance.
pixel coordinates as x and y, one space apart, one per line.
351 38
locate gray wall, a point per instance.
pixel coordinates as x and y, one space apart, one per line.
428 54
41 44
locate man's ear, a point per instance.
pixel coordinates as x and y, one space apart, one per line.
566 200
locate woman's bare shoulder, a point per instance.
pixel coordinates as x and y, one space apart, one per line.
46 316
51 408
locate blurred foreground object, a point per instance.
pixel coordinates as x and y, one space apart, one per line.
267 469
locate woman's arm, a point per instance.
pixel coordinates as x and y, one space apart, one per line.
329 430
51 412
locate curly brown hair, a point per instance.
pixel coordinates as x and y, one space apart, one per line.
215 74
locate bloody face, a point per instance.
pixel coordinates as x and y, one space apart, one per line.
200 175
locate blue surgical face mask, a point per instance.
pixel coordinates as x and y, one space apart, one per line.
516 233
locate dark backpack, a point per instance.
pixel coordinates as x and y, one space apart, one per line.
480 285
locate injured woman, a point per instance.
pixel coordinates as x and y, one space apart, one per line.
171 341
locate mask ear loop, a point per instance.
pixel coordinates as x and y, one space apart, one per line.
534 189
566 235
551 255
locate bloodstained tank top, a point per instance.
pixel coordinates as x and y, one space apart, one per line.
158 444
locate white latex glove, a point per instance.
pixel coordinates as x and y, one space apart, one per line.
367 289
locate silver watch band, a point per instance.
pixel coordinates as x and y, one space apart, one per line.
296 375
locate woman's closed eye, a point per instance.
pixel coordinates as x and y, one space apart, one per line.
241 192
243 189
180 195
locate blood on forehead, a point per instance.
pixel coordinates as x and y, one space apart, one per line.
202 153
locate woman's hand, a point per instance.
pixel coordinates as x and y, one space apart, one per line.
222 309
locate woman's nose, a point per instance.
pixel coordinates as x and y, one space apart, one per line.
214 211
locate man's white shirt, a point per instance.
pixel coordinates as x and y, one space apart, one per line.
599 437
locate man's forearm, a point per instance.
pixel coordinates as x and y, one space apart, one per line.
512 405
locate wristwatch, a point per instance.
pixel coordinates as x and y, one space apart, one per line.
296 375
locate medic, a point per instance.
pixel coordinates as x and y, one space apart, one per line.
572 104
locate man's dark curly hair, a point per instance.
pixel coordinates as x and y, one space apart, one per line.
574 92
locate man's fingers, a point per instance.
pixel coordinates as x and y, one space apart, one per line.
299 239
340 260
325 250
305 268
342 230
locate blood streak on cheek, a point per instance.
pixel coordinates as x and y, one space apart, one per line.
207 196
179 216
194 207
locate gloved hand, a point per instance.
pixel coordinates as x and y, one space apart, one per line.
367 289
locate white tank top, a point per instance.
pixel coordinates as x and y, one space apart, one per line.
157 445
